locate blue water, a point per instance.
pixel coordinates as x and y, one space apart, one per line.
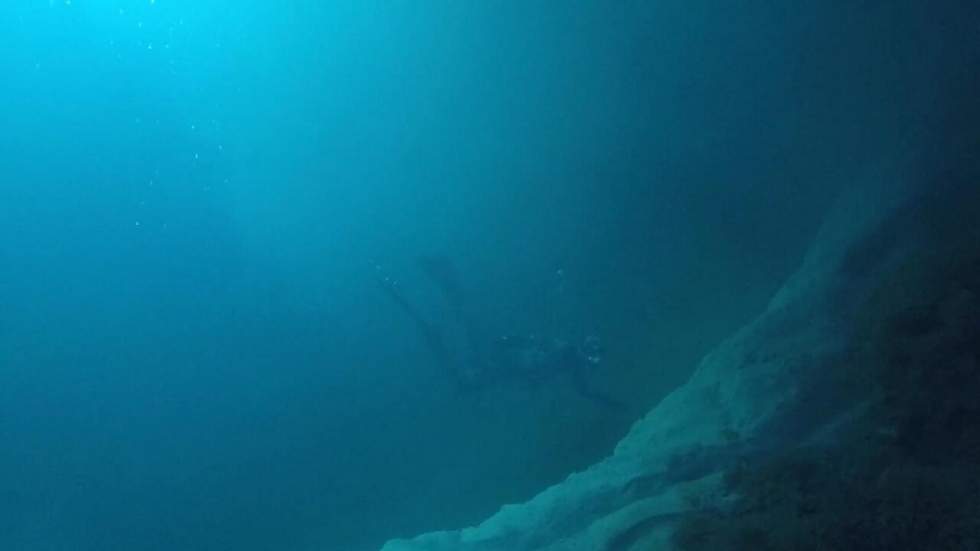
197 196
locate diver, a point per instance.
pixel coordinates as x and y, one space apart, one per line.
474 364
533 360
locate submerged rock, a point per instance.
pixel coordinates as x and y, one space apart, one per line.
801 376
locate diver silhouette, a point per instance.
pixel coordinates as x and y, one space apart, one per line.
476 363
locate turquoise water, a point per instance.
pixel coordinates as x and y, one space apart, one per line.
198 197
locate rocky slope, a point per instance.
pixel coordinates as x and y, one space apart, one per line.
813 376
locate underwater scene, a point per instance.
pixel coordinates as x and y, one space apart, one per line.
489 276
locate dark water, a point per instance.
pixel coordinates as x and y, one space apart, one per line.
196 195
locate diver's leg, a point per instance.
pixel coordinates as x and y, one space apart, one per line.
391 289
442 272
431 335
604 401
